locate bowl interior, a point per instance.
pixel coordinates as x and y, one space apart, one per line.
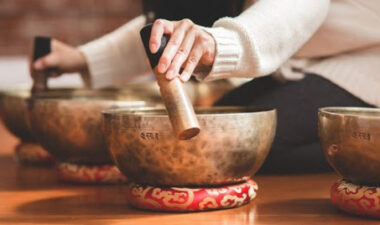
78 94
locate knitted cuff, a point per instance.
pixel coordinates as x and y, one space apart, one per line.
99 62
228 53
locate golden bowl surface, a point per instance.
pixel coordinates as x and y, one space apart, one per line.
68 124
350 139
231 147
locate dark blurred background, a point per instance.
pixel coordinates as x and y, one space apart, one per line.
72 21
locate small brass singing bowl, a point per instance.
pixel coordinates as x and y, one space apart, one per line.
68 124
350 140
231 147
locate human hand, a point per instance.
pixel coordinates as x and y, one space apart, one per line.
63 58
189 47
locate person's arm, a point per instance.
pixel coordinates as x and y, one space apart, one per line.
112 60
263 37
117 57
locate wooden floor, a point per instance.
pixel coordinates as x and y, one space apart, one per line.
30 195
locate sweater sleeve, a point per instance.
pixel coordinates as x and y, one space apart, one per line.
118 57
263 37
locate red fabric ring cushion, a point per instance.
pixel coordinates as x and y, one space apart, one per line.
191 199
32 153
356 199
102 174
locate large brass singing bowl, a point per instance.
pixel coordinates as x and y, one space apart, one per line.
231 147
69 126
13 112
350 139
13 107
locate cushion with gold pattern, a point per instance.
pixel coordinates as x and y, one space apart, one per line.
102 174
356 199
191 199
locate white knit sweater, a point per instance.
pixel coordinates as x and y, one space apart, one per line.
339 41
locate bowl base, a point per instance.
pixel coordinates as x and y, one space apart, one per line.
85 174
356 199
176 199
32 154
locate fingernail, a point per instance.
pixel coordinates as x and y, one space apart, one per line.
184 77
153 48
162 67
170 74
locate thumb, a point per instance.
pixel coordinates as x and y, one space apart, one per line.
46 62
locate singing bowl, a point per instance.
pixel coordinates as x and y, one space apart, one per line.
13 106
69 126
350 139
231 147
13 111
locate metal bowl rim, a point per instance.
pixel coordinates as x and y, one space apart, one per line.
86 99
350 112
123 112
15 93
63 93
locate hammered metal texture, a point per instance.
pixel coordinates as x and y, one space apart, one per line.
230 148
70 127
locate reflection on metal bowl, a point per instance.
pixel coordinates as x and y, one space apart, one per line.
350 139
232 145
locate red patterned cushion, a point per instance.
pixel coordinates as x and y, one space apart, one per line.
356 199
104 174
32 153
191 199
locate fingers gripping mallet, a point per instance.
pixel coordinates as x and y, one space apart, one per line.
180 110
